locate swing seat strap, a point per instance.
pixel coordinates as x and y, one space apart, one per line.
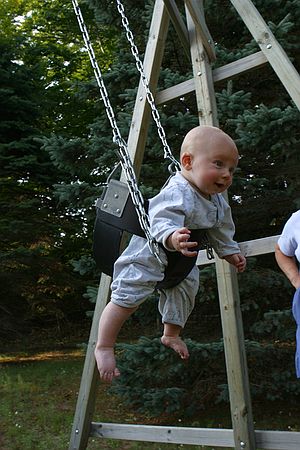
179 266
116 214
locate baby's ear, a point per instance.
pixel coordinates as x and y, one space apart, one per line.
186 160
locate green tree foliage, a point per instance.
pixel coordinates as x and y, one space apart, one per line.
38 65
27 224
56 152
154 380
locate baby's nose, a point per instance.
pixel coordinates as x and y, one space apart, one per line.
227 173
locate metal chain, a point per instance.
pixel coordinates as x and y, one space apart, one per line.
155 114
123 153
150 99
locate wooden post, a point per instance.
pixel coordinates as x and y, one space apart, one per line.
204 87
275 54
235 355
87 392
136 144
196 12
179 25
152 63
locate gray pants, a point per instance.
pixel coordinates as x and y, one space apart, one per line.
136 273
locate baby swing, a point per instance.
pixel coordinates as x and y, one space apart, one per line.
122 208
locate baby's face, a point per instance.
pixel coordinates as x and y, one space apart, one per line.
212 169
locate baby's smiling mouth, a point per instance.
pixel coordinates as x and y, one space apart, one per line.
219 185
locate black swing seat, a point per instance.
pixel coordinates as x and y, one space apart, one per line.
116 214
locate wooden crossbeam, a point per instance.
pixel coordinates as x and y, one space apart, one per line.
230 70
248 248
171 435
269 440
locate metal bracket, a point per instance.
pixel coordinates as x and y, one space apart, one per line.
115 198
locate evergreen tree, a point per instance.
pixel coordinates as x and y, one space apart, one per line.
38 238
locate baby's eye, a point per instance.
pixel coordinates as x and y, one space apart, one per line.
218 163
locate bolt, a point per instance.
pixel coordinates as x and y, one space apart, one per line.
269 46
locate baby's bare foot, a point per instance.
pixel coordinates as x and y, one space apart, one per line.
106 363
177 344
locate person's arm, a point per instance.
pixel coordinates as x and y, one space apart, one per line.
289 267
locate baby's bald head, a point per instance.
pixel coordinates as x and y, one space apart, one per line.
202 137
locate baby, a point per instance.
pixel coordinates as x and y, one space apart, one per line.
191 200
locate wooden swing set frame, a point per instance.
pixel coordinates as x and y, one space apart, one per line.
198 45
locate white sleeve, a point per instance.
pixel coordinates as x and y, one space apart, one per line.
287 241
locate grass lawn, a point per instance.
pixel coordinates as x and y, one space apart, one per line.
38 398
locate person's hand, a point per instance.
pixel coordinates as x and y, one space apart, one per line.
237 260
179 241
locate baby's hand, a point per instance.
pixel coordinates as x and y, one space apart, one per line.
179 241
238 260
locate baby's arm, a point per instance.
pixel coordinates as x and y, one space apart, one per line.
179 241
237 260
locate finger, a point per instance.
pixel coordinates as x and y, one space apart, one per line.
192 243
184 230
183 237
188 244
187 252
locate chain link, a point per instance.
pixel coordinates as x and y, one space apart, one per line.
122 151
155 114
